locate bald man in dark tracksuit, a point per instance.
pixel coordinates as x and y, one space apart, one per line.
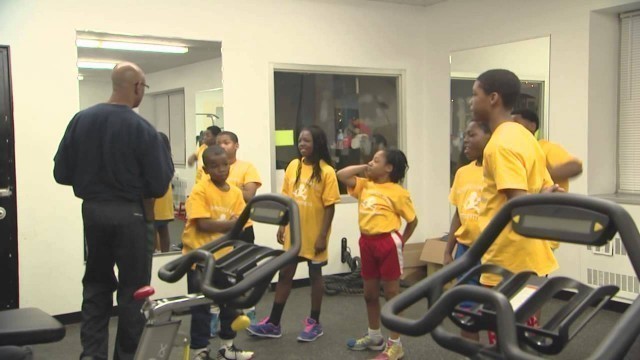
114 159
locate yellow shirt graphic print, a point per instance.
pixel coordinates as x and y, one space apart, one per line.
473 201
312 197
466 196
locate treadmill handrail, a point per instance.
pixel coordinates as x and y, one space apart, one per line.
615 343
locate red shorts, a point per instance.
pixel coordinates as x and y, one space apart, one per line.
381 256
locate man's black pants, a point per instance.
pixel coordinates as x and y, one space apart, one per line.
116 234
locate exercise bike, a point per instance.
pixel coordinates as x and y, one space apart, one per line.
562 217
238 279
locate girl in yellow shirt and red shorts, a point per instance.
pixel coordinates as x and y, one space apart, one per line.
382 203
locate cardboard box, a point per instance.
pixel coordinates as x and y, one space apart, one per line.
413 269
413 274
411 255
433 255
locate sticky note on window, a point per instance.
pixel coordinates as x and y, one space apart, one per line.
284 137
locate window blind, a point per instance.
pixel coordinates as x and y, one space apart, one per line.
629 105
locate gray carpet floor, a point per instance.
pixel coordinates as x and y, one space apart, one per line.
343 316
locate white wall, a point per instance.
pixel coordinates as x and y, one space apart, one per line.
192 78
254 34
93 92
583 78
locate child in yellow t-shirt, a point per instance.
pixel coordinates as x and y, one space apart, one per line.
383 202
241 174
562 166
163 211
212 209
465 196
245 176
209 138
311 181
514 165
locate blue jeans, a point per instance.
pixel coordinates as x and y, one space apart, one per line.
460 250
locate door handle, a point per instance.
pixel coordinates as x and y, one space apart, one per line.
5 192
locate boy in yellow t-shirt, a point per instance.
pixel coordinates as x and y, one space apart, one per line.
513 165
209 138
383 202
212 209
163 211
562 166
311 181
465 196
245 176
241 174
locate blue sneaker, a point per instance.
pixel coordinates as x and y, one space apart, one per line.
215 323
312 330
265 329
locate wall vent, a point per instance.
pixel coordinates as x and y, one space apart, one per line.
624 282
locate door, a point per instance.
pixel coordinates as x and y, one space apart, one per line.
8 219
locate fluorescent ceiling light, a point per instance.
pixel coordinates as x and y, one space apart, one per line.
83 64
131 46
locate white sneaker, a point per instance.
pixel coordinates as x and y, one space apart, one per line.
233 353
201 354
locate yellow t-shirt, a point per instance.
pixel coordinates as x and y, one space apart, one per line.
465 196
199 170
556 155
163 207
380 206
243 172
312 197
513 160
207 201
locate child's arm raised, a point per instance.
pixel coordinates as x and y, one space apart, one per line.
215 226
348 175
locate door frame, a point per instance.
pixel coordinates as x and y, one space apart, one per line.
9 276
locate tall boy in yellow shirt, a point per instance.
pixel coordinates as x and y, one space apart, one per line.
513 165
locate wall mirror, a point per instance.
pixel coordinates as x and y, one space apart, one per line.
183 99
529 59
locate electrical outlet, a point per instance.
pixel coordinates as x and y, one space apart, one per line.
343 251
